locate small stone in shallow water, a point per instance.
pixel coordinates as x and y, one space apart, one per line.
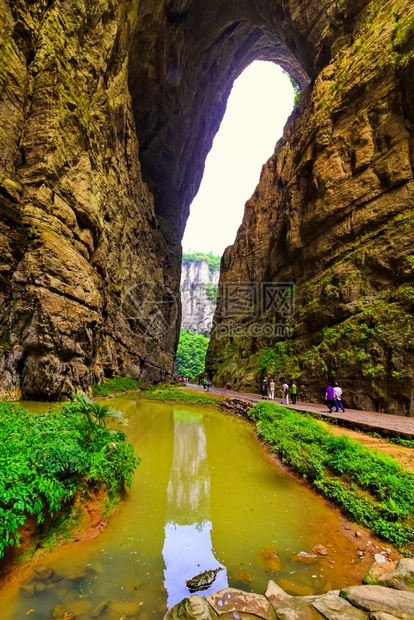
306 558
99 609
202 581
42 572
27 588
379 558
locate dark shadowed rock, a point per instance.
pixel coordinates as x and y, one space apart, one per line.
202 581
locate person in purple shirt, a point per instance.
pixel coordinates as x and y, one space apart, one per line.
329 397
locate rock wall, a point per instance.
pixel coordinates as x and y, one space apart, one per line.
84 259
107 112
198 296
332 216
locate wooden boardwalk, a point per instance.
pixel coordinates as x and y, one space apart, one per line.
368 421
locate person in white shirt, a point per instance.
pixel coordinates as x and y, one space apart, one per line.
338 397
285 389
272 389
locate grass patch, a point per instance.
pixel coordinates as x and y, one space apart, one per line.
45 460
374 489
115 385
173 394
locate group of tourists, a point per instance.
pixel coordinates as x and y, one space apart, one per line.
333 394
206 384
333 397
268 391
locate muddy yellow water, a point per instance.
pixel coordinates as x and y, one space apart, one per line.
205 496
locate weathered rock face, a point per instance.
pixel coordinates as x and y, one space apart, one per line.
78 232
332 214
198 296
89 261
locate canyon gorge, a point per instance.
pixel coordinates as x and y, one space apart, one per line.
107 112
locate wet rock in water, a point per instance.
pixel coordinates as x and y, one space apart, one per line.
398 575
203 580
332 607
295 588
123 608
42 572
305 558
379 558
243 576
320 549
272 559
379 598
99 609
28 589
232 601
58 612
194 607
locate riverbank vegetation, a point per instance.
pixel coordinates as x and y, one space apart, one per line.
374 489
47 459
116 385
171 393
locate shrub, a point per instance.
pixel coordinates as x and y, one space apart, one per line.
45 459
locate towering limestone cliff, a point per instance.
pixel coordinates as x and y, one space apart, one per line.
107 112
199 281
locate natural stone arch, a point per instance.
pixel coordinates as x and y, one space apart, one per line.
85 86
184 60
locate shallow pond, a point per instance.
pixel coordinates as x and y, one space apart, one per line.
206 495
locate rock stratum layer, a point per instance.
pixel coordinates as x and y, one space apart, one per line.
199 283
107 112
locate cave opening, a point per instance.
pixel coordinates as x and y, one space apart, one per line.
258 106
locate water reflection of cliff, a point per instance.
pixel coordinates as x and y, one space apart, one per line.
187 547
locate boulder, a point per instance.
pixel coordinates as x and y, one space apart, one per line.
332 607
378 598
194 607
398 575
230 600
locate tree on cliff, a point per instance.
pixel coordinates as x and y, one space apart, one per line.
191 354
